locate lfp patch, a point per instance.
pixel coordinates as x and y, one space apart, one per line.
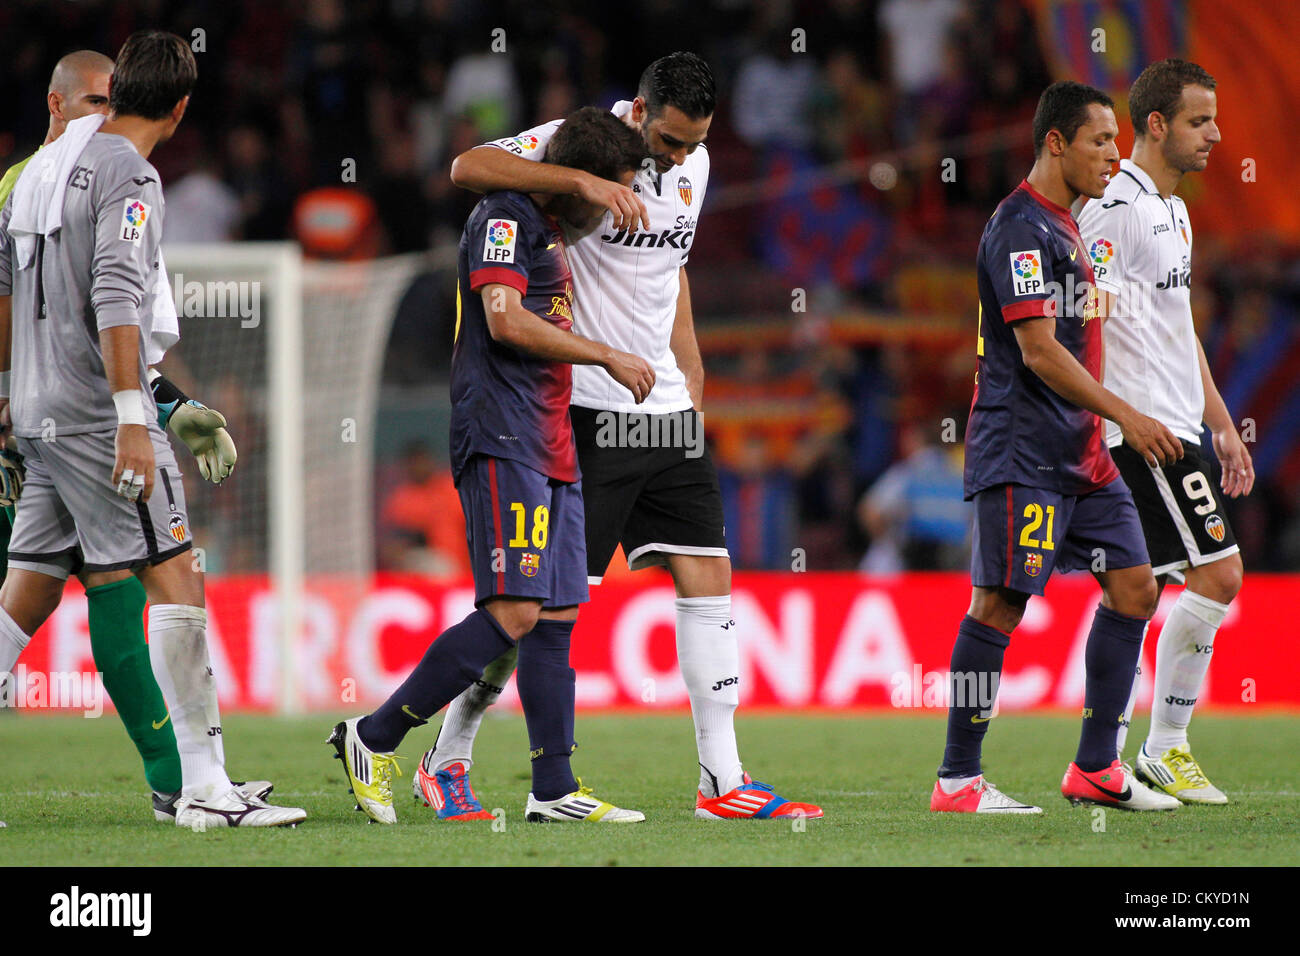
499 245
135 213
1026 274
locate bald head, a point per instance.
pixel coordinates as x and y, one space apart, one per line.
78 87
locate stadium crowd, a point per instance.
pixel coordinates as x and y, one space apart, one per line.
336 123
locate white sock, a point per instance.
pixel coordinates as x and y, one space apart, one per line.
1182 658
12 642
951 785
178 651
464 714
1124 722
708 653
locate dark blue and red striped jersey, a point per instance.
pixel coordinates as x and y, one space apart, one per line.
504 403
1031 264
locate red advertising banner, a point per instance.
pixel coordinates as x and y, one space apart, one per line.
809 641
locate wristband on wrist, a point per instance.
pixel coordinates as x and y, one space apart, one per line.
166 396
130 407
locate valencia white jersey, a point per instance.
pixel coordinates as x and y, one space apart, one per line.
1141 249
625 284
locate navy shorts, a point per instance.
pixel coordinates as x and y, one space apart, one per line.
525 533
1022 534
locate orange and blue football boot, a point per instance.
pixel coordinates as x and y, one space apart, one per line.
752 801
448 792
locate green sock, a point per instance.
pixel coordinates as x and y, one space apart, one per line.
116 613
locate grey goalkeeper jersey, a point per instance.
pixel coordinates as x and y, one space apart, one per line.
95 273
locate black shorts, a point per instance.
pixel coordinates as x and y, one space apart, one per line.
648 483
1181 509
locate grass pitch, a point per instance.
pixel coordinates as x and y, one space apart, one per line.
73 795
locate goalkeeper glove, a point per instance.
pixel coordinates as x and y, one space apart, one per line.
12 475
201 428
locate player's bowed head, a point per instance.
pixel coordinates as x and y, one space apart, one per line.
1074 142
597 142
673 109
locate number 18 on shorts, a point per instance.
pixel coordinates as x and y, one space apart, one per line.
525 533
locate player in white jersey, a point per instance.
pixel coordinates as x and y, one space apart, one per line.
79 264
1140 241
648 480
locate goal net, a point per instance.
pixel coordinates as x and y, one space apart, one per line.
291 352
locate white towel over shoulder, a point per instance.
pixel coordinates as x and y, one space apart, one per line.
38 194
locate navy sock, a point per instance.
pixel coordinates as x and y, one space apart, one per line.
545 681
1111 657
453 661
976 667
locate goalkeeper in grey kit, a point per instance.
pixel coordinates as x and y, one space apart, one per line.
79 263
115 605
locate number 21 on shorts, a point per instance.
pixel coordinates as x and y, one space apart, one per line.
1036 513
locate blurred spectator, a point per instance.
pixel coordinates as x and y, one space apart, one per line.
482 87
328 76
758 509
421 525
914 512
260 184
399 197
850 110
200 207
773 96
917 32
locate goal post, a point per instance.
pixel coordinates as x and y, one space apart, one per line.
291 351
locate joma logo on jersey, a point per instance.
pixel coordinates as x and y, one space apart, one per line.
1025 272
135 214
499 244
672 238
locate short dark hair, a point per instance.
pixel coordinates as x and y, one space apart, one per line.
598 142
1064 106
1159 89
681 80
155 70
